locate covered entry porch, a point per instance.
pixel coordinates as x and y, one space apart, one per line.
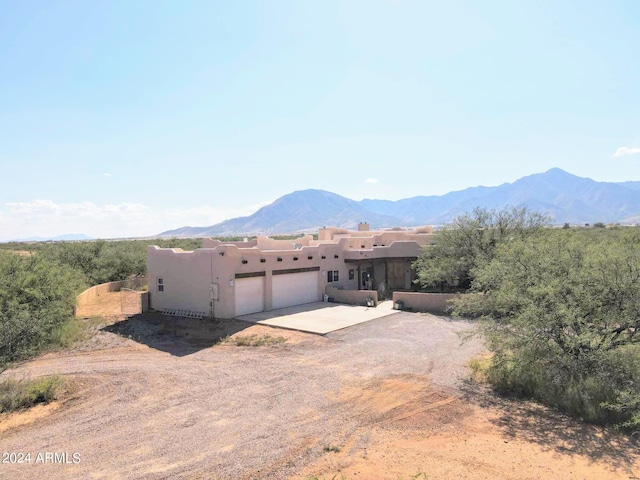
393 273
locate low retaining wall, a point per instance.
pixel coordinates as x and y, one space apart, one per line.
352 297
91 295
99 298
424 302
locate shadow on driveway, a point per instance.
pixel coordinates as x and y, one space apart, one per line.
175 335
531 422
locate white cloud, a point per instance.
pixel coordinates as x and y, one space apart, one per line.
371 180
206 215
83 209
107 174
43 218
626 151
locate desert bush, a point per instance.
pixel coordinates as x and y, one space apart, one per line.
36 297
384 292
37 292
73 331
470 241
103 261
16 395
560 314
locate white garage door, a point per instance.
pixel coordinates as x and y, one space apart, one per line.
295 289
249 295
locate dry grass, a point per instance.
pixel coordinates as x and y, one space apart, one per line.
22 253
254 340
20 394
331 449
479 367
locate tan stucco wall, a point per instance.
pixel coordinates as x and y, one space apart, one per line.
266 243
352 297
92 294
144 299
422 235
212 243
188 276
425 302
91 302
397 249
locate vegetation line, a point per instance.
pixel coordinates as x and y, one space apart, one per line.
558 308
38 291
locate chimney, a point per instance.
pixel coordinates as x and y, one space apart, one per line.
363 227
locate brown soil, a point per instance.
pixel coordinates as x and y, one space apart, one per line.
22 253
156 398
25 417
416 432
106 305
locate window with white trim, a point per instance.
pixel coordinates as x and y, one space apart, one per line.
160 284
332 276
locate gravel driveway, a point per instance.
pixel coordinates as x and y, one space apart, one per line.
181 409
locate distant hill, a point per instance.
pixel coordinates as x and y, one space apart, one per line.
59 238
297 211
561 195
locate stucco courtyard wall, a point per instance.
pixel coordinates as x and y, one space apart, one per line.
424 302
100 299
352 297
92 295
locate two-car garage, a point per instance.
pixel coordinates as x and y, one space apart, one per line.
288 288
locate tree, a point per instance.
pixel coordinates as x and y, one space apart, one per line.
36 297
471 240
103 261
561 313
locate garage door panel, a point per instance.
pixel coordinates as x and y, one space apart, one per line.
249 295
294 289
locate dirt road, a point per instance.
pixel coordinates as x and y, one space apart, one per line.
383 399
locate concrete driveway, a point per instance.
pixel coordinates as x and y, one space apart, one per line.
320 317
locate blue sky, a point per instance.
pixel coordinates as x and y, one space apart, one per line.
126 118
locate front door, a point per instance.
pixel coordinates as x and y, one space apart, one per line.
367 279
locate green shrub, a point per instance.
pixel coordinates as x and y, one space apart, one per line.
16 395
604 393
73 331
36 297
103 261
559 311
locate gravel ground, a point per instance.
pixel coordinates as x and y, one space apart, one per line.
166 403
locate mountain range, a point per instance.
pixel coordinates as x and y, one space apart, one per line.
60 238
560 195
